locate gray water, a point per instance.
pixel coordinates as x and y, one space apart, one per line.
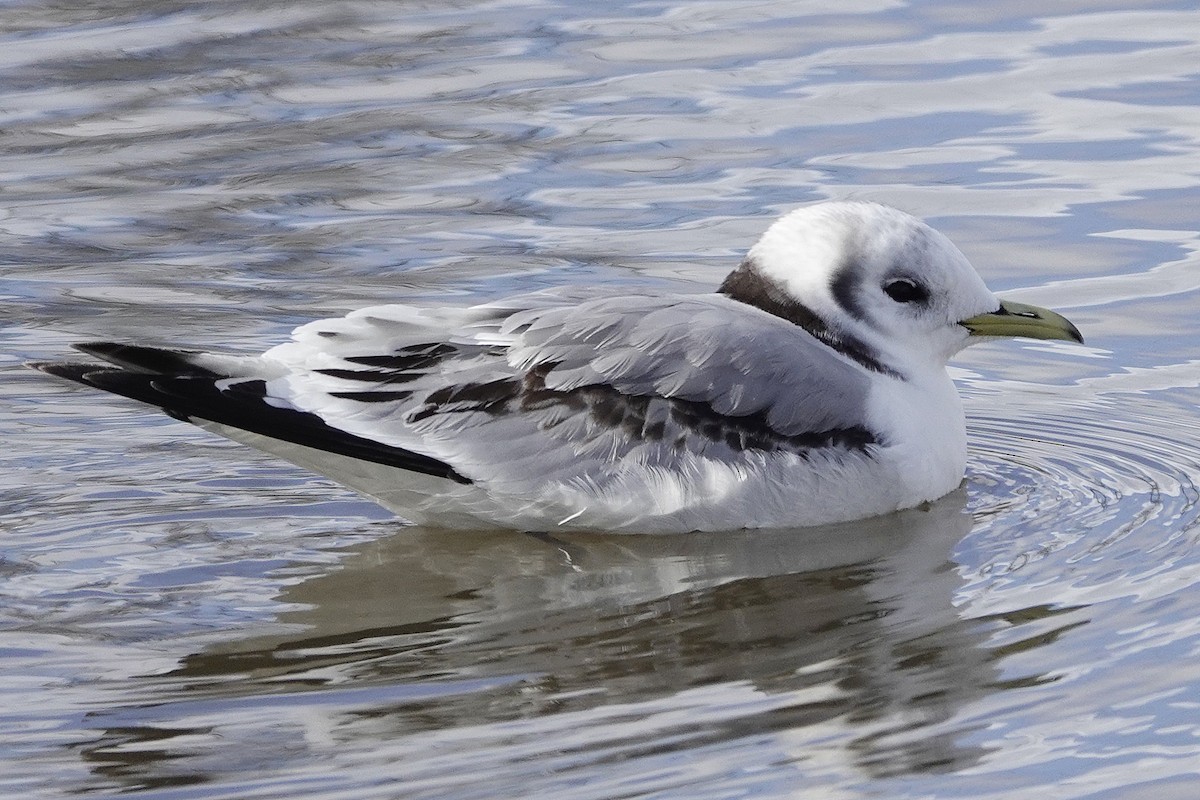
181 617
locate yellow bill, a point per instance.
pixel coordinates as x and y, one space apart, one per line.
1019 319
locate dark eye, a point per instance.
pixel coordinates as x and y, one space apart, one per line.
902 290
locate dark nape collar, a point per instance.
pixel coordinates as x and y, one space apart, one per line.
748 285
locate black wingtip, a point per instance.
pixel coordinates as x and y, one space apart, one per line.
134 385
192 396
71 371
149 360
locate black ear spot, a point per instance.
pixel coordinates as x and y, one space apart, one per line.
904 290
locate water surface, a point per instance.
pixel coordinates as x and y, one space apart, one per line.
183 618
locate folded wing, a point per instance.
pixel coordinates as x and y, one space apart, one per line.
543 389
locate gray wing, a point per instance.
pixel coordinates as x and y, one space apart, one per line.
544 388
708 349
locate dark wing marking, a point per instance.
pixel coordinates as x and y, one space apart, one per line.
410 358
372 397
642 418
243 404
702 373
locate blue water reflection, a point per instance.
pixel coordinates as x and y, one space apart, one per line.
182 618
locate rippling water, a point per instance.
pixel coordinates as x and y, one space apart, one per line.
183 618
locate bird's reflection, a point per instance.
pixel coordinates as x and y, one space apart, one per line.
854 624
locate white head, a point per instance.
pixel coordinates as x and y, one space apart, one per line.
876 283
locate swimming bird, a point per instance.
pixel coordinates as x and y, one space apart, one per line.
810 388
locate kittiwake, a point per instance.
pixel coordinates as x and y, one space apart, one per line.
810 388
